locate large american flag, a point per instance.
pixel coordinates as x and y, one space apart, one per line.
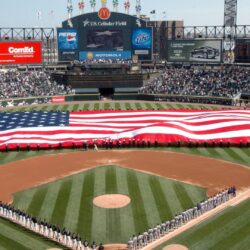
27 128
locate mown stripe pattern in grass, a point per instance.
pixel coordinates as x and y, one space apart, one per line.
146 193
14 237
229 229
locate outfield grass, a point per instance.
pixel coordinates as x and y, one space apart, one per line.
229 229
112 105
13 237
68 202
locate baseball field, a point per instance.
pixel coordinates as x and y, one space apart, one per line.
60 186
229 229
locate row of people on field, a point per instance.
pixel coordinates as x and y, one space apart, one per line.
143 239
62 236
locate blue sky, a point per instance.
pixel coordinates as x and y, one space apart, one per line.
23 13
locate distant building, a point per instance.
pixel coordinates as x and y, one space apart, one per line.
162 32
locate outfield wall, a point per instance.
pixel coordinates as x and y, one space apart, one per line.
126 96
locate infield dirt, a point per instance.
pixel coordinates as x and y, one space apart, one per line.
215 175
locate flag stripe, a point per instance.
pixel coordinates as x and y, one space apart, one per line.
163 126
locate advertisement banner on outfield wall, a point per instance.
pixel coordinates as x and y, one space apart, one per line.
58 99
195 51
20 53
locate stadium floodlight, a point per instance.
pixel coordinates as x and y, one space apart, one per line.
230 13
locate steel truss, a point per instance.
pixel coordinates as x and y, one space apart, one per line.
45 35
212 32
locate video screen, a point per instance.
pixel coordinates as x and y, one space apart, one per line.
195 51
105 40
242 51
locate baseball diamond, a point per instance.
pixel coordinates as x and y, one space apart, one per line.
121 129
61 186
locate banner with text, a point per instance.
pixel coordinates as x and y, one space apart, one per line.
87 55
195 51
20 53
58 99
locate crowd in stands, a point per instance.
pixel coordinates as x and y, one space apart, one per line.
200 81
197 84
62 236
15 83
160 230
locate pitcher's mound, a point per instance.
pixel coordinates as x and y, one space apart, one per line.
112 201
175 247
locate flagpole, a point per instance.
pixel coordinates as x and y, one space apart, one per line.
93 4
69 9
164 13
138 8
81 7
115 5
126 6
153 13
39 18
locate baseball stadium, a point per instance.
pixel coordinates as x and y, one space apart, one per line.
119 131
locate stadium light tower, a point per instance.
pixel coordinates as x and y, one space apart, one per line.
70 9
138 8
230 13
230 20
81 6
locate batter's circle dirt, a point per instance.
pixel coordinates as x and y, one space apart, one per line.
111 201
213 174
175 247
